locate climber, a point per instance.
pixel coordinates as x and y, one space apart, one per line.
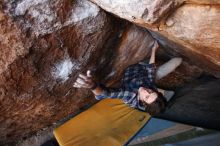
138 88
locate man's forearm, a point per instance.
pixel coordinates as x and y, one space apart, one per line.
152 57
153 52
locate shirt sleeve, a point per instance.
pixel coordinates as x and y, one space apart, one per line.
113 93
151 72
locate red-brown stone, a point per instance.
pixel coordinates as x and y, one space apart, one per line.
190 28
62 39
46 44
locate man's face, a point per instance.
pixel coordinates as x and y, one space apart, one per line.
147 95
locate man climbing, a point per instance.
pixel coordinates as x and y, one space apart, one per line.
138 88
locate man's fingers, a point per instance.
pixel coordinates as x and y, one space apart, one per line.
78 85
83 77
81 81
84 81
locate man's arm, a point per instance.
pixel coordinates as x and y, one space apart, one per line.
151 68
153 52
107 92
168 67
100 91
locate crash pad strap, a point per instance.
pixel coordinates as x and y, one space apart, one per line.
108 123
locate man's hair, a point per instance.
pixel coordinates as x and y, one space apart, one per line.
158 106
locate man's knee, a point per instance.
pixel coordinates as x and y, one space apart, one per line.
168 67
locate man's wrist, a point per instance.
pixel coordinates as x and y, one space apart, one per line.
94 86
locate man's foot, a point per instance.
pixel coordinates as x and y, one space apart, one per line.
168 94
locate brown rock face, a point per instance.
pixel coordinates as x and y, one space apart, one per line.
134 46
144 12
62 38
46 44
188 28
199 38
203 1
11 42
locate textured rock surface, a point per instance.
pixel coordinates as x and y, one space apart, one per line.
134 46
63 38
46 44
143 12
199 38
203 1
11 40
189 28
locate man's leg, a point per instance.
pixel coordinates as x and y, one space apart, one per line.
168 67
164 70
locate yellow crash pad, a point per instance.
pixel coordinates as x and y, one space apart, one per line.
108 123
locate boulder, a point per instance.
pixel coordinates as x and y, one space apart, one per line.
188 28
134 46
44 46
197 39
143 12
12 42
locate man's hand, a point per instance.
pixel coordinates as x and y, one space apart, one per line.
155 46
85 81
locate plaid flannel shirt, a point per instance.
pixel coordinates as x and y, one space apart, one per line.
135 76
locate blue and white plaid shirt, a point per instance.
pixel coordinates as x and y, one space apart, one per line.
137 75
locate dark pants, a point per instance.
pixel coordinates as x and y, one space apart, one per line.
197 103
